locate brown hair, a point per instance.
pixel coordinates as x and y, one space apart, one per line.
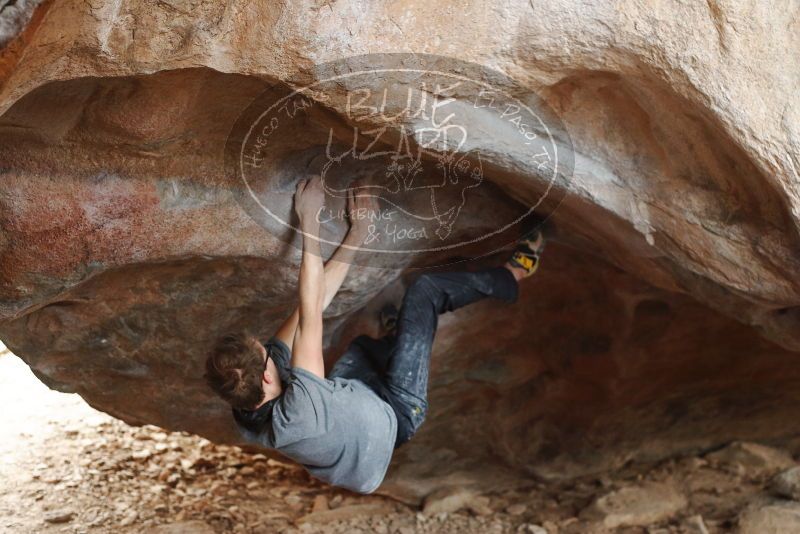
234 370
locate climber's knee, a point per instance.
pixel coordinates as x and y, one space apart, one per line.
418 414
410 422
422 287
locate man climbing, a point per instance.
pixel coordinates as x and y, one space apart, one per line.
344 428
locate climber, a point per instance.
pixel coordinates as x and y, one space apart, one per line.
344 428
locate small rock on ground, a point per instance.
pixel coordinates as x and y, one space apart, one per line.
695 525
346 513
636 505
754 458
449 500
787 484
184 527
320 504
770 517
61 516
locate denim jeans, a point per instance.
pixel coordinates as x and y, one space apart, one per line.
396 366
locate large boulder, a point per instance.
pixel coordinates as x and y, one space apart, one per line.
665 318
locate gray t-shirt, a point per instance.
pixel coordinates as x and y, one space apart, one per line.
340 430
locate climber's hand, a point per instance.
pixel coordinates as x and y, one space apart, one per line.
361 211
309 200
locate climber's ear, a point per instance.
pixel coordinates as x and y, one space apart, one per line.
270 374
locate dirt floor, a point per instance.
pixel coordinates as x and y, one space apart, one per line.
65 467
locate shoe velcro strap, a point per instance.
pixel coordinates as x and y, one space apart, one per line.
526 262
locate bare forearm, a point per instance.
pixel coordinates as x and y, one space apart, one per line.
337 267
308 336
312 282
336 270
307 346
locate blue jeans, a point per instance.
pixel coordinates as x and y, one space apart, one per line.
396 366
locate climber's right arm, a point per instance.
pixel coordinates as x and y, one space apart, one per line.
307 346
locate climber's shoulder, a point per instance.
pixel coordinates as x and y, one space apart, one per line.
304 409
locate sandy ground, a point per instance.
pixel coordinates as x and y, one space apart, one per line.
65 467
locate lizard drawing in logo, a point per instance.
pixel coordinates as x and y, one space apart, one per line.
433 191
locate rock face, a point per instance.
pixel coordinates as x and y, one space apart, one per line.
665 318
